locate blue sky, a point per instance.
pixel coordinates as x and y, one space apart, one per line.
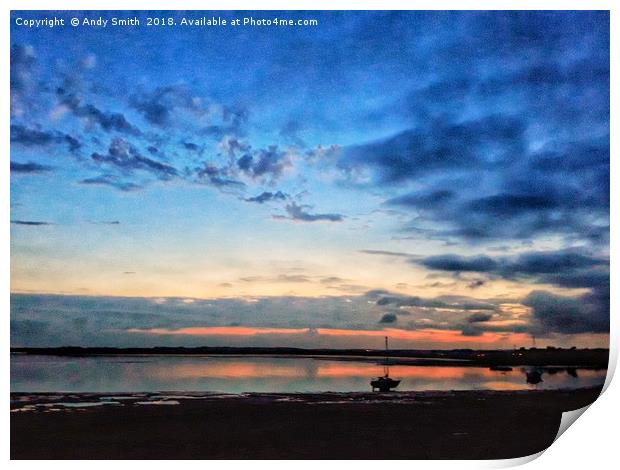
413 164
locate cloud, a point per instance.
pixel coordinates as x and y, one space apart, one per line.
430 199
508 135
107 121
192 147
439 147
479 317
567 268
475 283
32 223
112 182
332 280
459 263
545 198
22 80
286 278
107 222
31 137
122 154
396 300
564 268
387 253
232 124
299 213
105 321
217 176
388 318
588 313
29 168
23 61
267 196
267 163
159 106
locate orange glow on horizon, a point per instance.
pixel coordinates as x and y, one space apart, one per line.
434 335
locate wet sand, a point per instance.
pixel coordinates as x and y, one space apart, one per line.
424 425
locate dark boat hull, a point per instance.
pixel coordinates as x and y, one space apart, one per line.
384 384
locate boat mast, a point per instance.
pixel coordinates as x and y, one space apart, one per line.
387 359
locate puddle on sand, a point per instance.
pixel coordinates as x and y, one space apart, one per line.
158 402
83 404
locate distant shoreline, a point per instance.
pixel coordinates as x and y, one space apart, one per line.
594 358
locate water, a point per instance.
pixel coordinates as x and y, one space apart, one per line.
237 374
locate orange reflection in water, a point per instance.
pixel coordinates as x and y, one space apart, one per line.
228 369
400 371
496 385
316 368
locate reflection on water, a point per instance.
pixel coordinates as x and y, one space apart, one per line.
234 374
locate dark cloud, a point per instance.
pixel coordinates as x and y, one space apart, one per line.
22 79
429 199
440 147
111 181
376 293
479 317
545 198
566 268
588 313
267 196
396 300
22 66
29 167
389 318
107 121
457 263
300 214
31 137
387 253
509 133
107 222
123 155
475 283
266 163
159 106
192 147
217 176
32 223
27 136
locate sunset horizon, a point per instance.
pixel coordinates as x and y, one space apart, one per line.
306 234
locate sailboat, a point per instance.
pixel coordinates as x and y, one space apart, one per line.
384 383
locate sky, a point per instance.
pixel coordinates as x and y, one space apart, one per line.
439 177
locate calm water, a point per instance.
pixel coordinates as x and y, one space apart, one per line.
234 374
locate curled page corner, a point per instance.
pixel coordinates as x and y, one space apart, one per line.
568 418
517 461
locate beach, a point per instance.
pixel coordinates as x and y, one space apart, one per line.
406 425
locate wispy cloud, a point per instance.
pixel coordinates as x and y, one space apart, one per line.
29 168
299 213
32 223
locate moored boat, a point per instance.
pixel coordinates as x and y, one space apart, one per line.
384 383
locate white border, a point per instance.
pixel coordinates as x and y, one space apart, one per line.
592 443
